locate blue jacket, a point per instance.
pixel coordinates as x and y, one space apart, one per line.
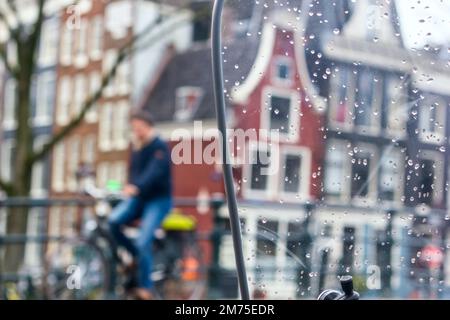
150 170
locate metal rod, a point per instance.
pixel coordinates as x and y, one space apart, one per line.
217 66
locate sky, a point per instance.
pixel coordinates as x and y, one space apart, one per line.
425 22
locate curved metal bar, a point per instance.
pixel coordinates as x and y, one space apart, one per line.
222 125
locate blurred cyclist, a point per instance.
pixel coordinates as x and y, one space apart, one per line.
148 198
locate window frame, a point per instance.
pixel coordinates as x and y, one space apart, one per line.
376 103
372 193
277 60
9 121
426 136
294 120
336 86
46 82
270 190
304 173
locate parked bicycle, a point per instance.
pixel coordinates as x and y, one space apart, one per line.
93 267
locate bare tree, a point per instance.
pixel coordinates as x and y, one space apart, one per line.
25 38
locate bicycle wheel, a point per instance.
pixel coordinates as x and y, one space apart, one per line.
181 277
76 270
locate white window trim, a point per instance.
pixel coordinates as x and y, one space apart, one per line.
38 190
377 104
104 139
120 116
6 147
439 183
95 82
399 192
272 186
73 163
63 113
294 114
403 104
372 194
59 167
345 195
96 22
42 119
286 61
9 121
334 100
81 57
305 173
427 136
66 46
48 48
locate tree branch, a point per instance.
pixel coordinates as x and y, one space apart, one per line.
5 186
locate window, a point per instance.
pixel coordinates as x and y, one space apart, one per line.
10 102
64 100
279 113
73 162
123 78
105 127
66 46
292 172
335 175
45 99
295 173
96 47
429 178
258 172
38 177
102 174
95 83
188 100
283 70
81 58
89 149
397 109
120 134
294 239
391 175
48 49
7 159
267 238
80 94
11 48
119 172
108 64
341 98
361 175
59 161
367 100
432 117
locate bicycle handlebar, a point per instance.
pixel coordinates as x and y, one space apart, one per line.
347 293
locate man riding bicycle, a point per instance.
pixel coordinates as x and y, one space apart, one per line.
148 198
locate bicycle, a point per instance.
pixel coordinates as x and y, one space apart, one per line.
93 267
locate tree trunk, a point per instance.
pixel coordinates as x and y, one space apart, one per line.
21 172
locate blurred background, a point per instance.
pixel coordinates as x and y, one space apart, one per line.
358 90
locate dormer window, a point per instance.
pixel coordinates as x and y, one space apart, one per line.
188 100
282 70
